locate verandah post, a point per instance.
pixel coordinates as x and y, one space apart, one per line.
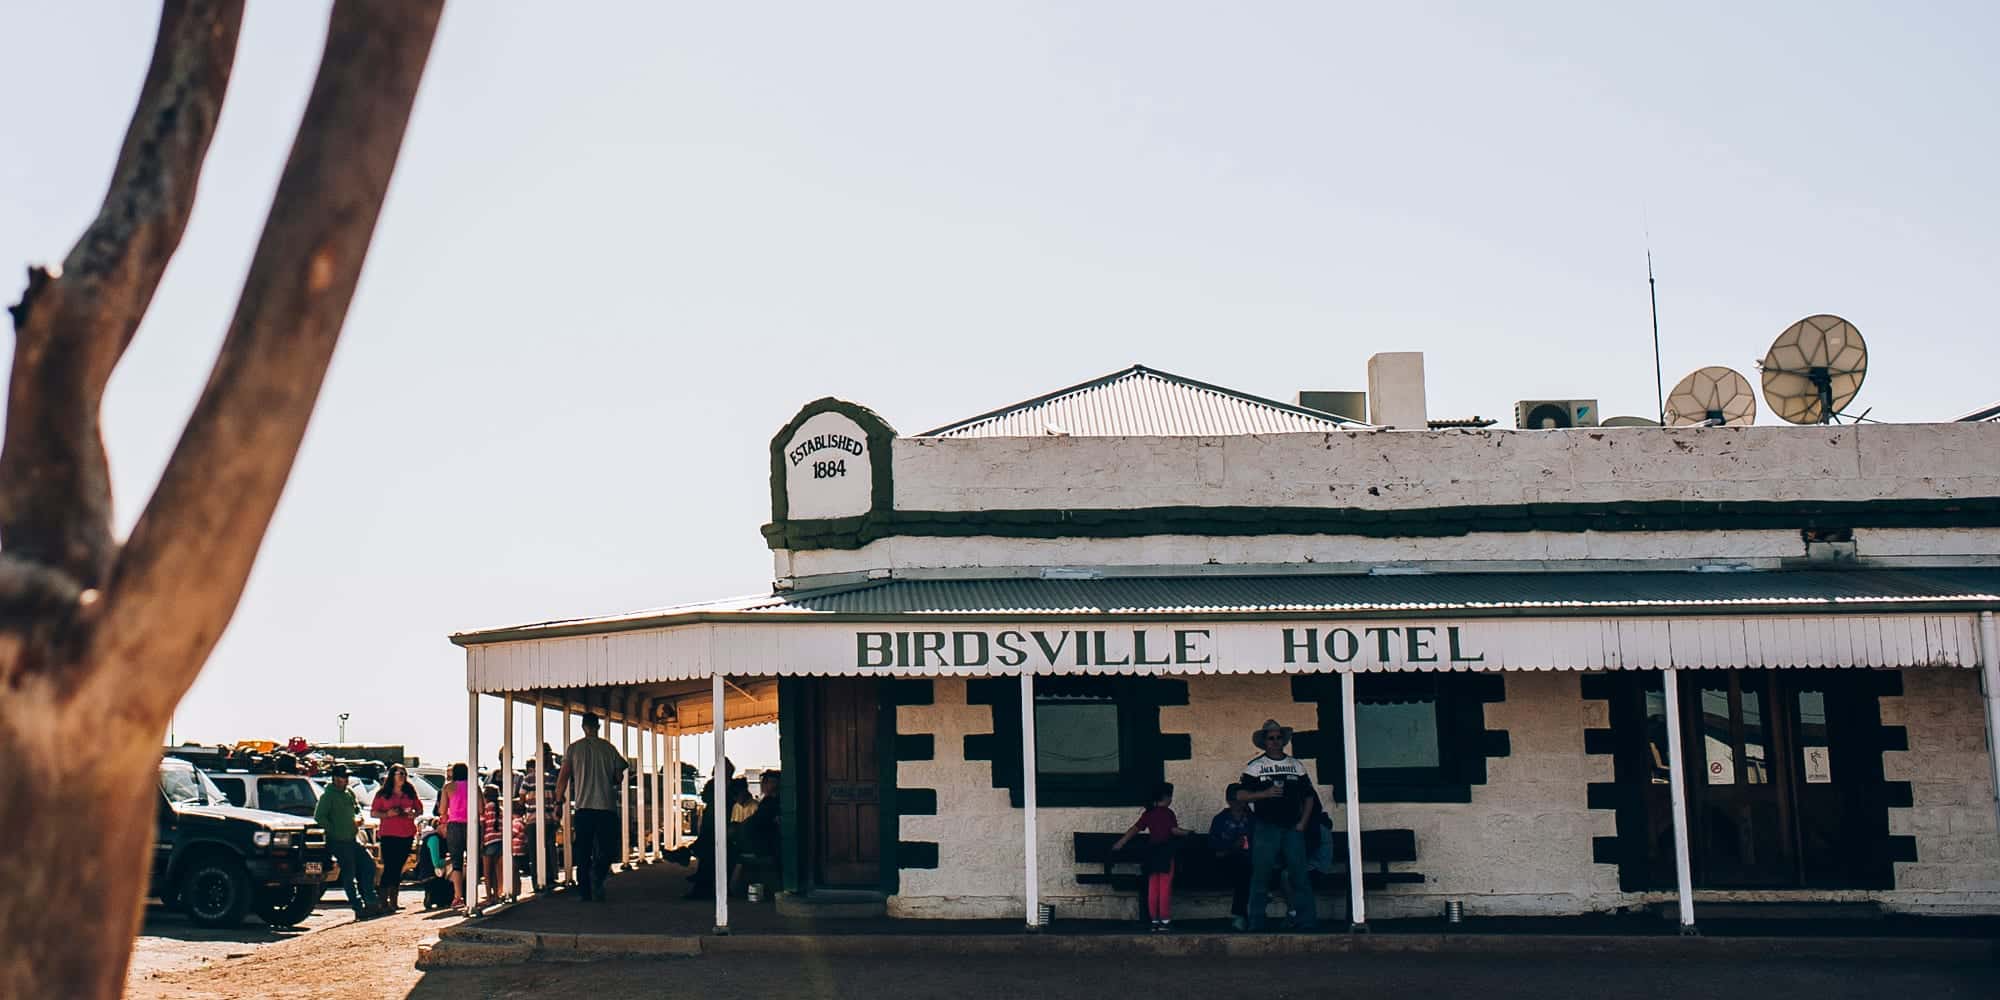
1028 833
674 781
503 810
568 853
718 810
469 865
541 802
1351 770
625 786
645 795
1677 783
1989 668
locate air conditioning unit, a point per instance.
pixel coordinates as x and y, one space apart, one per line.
1543 414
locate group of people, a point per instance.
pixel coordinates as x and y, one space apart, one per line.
753 833
1271 820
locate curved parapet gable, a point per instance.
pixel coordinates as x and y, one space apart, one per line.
830 475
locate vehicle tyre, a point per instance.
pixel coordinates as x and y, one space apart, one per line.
290 908
216 892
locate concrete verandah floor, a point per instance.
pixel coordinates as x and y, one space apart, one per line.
648 900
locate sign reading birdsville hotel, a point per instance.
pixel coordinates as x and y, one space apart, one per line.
1037 649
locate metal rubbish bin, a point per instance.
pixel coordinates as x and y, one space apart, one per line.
1046 913
756 892
1454 911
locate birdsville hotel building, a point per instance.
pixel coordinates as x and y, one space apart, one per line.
1532 671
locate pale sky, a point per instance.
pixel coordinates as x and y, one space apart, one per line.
627 241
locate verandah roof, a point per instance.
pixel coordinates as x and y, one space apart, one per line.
1269 624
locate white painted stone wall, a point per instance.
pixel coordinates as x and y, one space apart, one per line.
1951 790
980 869
1405 469
987 556
1521 846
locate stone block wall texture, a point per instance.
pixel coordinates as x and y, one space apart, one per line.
1951 812
1399 470
1521 846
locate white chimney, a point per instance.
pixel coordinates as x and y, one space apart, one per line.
1396 390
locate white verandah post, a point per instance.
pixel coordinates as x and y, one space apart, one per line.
1677 783
674 780
504 809
541 801
1989 669
625 785
568 855
718 810
1357 916
644 811
469 865
659 753
1029 836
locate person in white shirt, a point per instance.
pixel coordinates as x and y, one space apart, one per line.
1278 789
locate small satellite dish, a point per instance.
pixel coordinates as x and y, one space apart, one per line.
1712 396
1629 422
1814 369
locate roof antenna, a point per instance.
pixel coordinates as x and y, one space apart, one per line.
1652 292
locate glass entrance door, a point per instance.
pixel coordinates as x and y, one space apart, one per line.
1741 764
1784 780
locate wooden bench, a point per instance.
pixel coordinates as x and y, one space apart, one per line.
1196 868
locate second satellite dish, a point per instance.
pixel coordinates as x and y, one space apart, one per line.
1814 369
1715 396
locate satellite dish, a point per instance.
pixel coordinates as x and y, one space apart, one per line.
1712 396
1629 422
1814 369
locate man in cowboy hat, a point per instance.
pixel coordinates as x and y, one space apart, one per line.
1279 791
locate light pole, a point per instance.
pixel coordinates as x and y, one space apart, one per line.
343 727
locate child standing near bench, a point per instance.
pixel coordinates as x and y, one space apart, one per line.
1160 826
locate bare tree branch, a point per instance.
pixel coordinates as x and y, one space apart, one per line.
74 322
178 579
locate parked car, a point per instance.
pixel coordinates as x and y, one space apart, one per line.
285 793
218 862
294 794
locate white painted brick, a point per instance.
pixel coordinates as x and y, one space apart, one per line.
1523 845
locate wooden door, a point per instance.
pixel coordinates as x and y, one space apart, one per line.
846 786
1740 770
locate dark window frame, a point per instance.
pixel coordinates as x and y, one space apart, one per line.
1142 749
1464 742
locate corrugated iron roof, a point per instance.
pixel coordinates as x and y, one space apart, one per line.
1549 593
1142 401
1400 592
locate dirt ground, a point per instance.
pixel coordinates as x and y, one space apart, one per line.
332 957
351 965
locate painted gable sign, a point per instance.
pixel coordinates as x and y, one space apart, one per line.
829 468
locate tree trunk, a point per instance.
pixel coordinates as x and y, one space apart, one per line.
77 799
99 640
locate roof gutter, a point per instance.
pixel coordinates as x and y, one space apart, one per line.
1969 603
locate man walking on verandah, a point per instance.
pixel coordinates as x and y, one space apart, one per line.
593 772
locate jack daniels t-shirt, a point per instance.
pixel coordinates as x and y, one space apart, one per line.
1290 774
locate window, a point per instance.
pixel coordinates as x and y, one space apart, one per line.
1076 738
1418 737
286 795
231 787
1396 734
1097 739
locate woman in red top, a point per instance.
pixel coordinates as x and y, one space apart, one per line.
1160 826
397 807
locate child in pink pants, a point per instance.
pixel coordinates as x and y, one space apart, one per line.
1160 826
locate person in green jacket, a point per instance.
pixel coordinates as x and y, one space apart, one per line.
339 814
